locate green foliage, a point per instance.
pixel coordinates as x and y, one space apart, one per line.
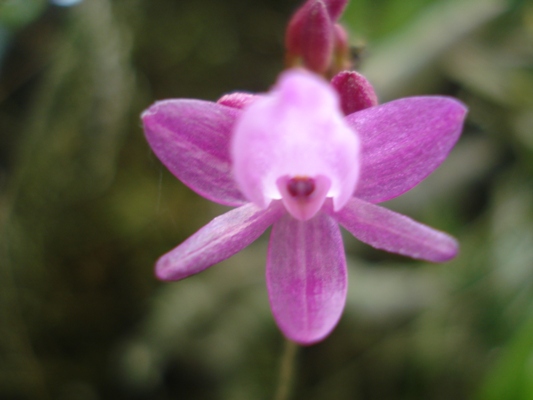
512 376
16 14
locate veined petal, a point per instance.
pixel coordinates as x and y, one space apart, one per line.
306 277
297 130
220 239
403 142
393 232
237 100
191 138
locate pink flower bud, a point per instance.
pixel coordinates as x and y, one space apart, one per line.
310 37
335 8
355 92
341 50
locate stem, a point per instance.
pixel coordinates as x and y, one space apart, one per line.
286 372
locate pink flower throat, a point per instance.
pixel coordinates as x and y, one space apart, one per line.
301 187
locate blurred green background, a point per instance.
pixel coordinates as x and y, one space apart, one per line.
86 209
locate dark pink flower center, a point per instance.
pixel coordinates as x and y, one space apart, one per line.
300 187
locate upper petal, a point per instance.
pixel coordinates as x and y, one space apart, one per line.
220 239
191 137
297 130
390 231
403 142
306 277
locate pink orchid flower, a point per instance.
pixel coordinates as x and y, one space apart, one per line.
291 159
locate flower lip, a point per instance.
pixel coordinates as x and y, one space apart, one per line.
303 196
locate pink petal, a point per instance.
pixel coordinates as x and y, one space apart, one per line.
355 92
297 130
191 137
306 277
403 142
393 232
220 239
237 100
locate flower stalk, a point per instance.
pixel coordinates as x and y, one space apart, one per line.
287 371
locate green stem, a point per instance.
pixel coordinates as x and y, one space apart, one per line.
286 373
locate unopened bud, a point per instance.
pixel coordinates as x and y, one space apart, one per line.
335 8
310 37
355 92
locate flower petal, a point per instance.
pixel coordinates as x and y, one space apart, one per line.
306 277
220 239
191 137
237 99
403 142
297 130
393 232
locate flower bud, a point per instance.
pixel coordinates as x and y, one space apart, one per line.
335 8
310 37
355 92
